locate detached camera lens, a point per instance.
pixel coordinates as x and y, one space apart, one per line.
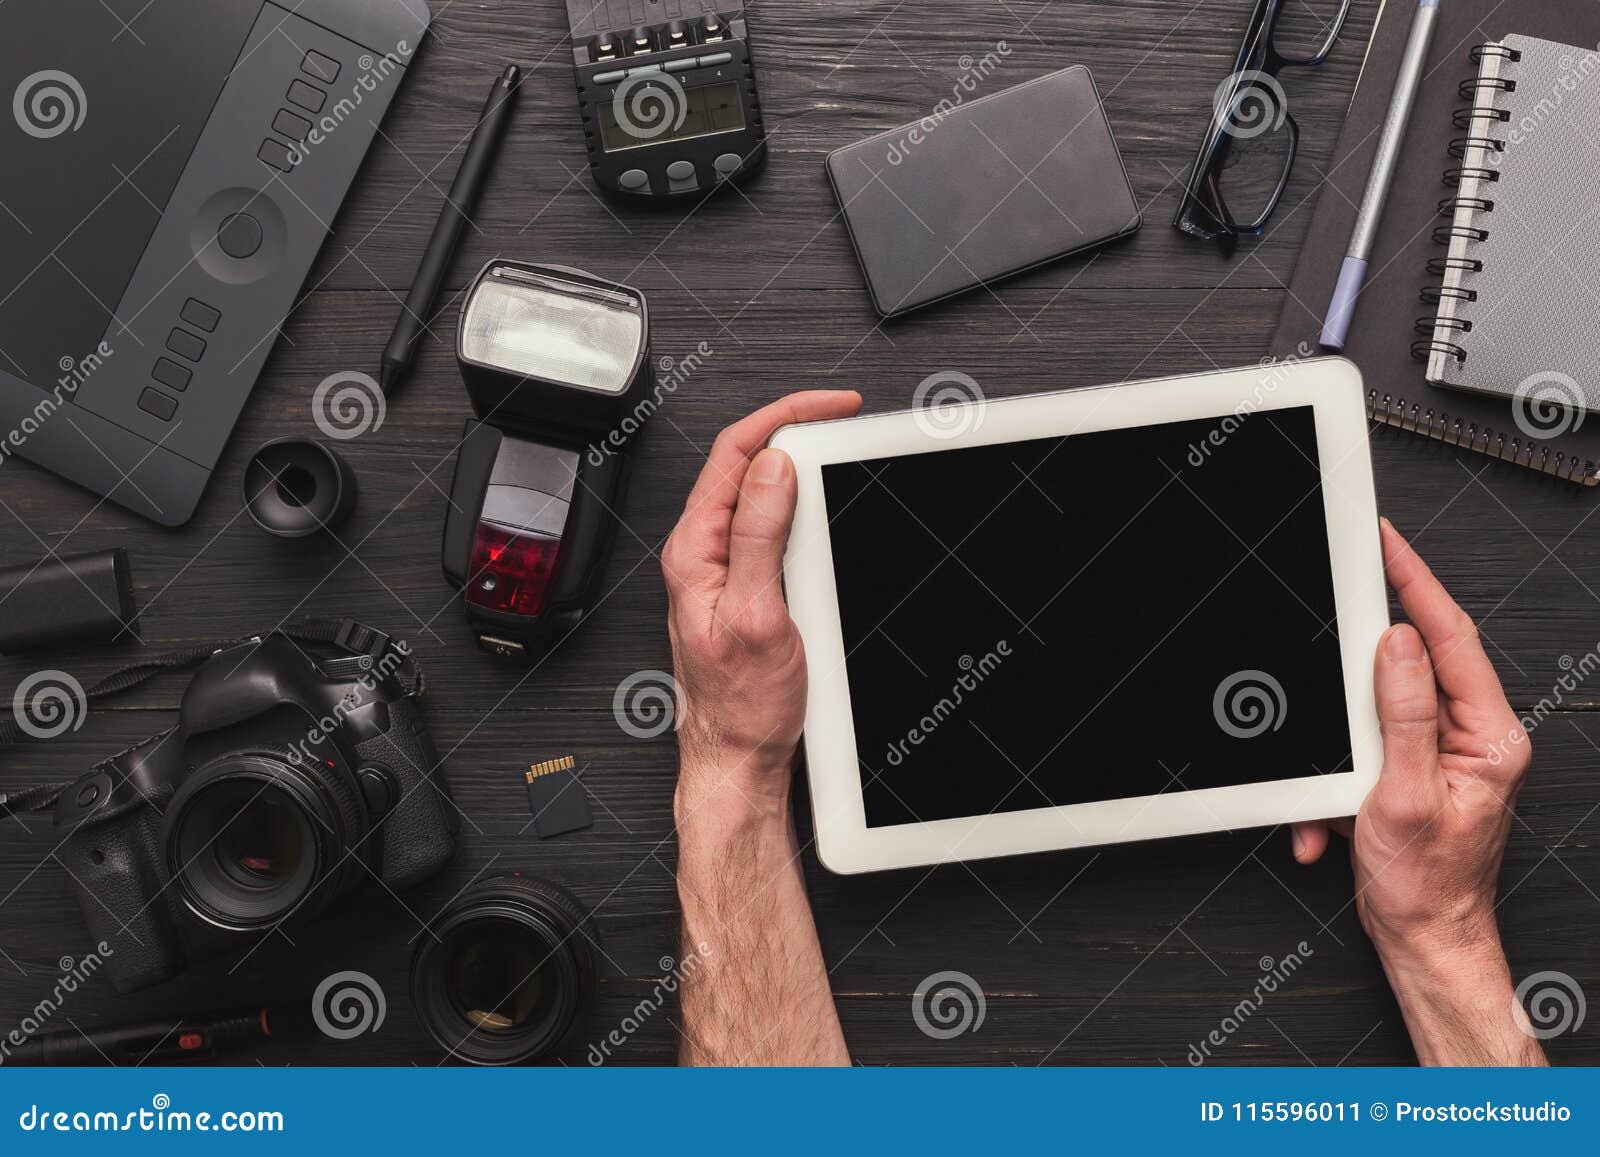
509 975
499 975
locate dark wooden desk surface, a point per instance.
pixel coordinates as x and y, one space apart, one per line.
1123 956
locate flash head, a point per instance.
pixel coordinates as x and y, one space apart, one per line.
553 350
557 363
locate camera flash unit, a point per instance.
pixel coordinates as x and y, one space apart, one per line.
554 361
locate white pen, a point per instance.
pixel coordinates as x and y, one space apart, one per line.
1353 273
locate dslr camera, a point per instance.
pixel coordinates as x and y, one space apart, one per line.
289 783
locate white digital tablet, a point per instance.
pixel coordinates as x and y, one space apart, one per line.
1088 617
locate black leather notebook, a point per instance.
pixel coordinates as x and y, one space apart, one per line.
1392 312
982 190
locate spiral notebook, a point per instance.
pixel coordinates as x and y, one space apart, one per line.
1519 303
1479 325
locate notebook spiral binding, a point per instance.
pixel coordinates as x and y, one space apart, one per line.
1526 452
1474 179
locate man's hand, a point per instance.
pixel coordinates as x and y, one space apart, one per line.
736 653
759 994
1428 842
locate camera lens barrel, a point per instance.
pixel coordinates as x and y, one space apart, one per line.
249 837
508 973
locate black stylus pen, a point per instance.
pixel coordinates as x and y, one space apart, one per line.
454 217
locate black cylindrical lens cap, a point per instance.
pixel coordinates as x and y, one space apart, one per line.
297 486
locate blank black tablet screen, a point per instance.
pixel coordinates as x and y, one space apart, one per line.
1102 616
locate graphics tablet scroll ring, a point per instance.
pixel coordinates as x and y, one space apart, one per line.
239 235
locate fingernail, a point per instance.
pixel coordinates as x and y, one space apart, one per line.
770 467
1299 843
1404 645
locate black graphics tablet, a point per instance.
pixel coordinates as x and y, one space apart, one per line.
171 171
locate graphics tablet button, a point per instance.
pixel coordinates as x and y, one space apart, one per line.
324 68
296 128
727 164
186 345
200 315
159 404
170 374
277 154
635 181
239 235
306 96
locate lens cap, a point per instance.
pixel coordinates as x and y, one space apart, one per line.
294 487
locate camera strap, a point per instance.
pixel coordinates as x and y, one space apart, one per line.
363 648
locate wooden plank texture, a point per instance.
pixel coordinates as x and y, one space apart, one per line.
1129 955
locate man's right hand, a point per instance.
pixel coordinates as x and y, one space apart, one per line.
760 993
1429 840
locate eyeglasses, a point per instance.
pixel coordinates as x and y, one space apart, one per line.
1243 164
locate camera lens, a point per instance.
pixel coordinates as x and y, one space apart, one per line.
507 973
263 844
499 974
248 839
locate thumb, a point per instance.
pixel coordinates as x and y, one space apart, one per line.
1411 787
761 523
